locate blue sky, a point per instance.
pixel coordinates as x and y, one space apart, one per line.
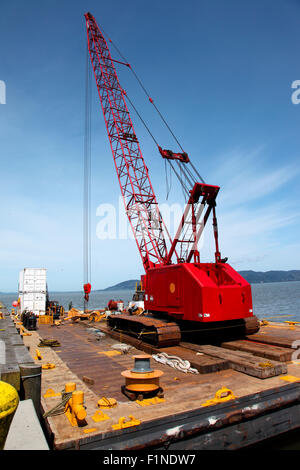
221 73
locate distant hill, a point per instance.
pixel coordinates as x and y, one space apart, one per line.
125 285
271 276
253 277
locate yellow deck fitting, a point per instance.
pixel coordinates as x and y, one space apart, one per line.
99 416
110 353
74 410
23 332
264 323
86 431
51 393
126 424
290 378
97 316
38 355
222 395
266 364
70 387
45 319
150 401
1 316
48 366
292 324
107 403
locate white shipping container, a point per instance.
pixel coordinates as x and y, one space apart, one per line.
33 290
33 302
33 280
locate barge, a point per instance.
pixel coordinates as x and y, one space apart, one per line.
260 375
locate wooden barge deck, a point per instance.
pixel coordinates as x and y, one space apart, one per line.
260 371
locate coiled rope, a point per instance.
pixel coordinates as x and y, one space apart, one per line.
175 362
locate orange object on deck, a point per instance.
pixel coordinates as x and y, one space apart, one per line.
142 378
75 410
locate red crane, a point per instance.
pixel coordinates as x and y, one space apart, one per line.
175 282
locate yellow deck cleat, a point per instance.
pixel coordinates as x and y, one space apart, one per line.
126 424
222 395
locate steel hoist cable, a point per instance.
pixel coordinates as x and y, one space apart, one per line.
87 178
60 407
181 166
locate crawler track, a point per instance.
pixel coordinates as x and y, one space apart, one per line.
251 325
162 333
157 332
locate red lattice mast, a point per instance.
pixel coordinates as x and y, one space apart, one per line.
136 188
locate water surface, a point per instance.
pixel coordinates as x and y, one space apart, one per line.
269 299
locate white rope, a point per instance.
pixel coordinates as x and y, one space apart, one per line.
124 348
175 362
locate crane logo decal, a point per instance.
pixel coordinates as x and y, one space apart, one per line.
172 288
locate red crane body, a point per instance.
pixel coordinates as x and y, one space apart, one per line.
175 282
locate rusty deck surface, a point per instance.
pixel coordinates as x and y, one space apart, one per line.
277 334
86 356
81 355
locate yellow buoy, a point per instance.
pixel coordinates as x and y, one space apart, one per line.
9 400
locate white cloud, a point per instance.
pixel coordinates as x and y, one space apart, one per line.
256 213
244 176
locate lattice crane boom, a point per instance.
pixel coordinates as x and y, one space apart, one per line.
136 188
139 198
